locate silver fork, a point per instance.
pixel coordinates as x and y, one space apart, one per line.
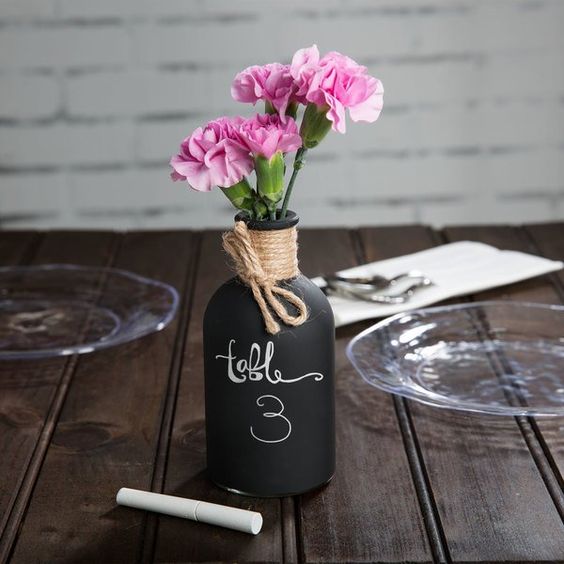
374 282
351 292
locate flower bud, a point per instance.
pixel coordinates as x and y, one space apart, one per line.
270 178
315 125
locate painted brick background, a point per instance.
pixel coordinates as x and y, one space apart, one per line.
96 95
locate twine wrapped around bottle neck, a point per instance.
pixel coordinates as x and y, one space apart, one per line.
261 259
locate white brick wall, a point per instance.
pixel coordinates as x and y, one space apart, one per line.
96 95
62 47
29 97
62 144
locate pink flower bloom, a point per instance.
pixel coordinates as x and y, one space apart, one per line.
265 135
213 156
272 82
338 82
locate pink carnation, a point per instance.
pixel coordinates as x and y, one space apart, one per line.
265 135
213 156
338 82
272 82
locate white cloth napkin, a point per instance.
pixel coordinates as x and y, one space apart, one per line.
456 269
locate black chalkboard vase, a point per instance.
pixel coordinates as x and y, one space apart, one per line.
270 414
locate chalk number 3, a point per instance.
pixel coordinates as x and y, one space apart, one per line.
273 414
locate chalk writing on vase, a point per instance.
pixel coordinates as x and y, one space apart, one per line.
273 414
257 367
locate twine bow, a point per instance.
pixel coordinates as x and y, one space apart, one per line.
262 281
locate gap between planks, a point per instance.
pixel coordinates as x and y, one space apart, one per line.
31 474
291 544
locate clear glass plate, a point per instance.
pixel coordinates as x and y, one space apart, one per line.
504 358
60 309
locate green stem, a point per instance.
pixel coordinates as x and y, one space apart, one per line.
298 165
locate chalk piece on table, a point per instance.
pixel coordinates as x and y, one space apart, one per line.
193 509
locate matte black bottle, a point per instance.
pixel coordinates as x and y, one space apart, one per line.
269 398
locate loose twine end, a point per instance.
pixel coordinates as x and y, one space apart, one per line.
261 261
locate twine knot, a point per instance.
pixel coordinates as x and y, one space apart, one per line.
261 259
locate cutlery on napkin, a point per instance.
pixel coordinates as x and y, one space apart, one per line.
456 269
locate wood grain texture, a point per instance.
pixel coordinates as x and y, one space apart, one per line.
17 431
32 392
548 240
352 519
491 499
397 241
17 247
106 435
412 481
178 540
543 436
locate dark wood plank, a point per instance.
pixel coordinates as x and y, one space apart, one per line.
17 247
544 436
108 431
492 501
399 241
339 539
369 512
14 249
31 392
179 540
548 240
149 530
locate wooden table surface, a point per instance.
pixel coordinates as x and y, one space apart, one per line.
413 484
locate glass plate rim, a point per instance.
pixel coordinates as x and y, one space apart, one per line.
93 346
411 393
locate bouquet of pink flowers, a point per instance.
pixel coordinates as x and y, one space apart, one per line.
224 152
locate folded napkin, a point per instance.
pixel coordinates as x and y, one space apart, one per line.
456 269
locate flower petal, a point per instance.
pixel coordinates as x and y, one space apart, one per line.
370 109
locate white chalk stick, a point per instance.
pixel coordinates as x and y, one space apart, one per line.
193 509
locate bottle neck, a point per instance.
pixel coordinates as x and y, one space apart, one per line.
277 251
